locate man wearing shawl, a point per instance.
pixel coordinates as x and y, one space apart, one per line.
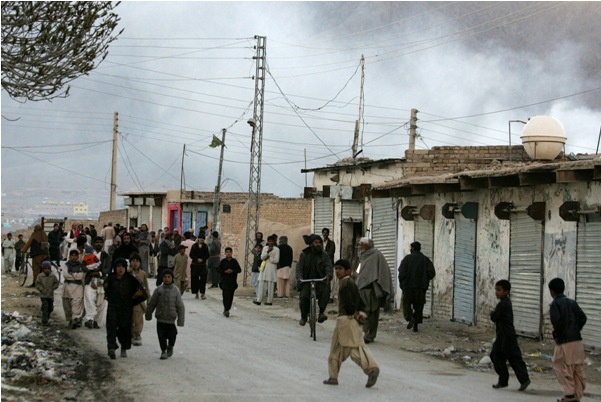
375 285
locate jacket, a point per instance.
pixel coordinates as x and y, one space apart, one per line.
46 285
502 316
312 265
229 281
167 301
197 251
416 271
567 318
166 249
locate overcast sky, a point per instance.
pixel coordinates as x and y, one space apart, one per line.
182 71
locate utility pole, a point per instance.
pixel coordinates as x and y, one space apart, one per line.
254 180
357 122
113 203
412 129
217 199
181 176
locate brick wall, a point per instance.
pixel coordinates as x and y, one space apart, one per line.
285 216
117 216
456 159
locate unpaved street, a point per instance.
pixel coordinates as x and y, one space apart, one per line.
261 354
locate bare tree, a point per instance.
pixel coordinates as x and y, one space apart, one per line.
47 44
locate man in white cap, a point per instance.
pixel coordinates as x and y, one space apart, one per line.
375 285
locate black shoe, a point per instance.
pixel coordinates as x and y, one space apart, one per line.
258 303
169 351
415 327
96 326
367 339
269 304
410 324
112 354
226 313
499 385
89 324
322 317
524 385
302 322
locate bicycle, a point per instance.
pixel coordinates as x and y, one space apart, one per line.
24 270
313 305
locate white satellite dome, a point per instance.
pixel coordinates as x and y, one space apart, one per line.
543 137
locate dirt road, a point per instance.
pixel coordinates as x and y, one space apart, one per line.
261 354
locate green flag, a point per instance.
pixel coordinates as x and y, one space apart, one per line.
216 142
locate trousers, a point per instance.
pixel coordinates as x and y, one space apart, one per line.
167 334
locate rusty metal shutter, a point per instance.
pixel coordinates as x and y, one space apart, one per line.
525 273
464 281
588 280
352 211
424 233
323 214
383 231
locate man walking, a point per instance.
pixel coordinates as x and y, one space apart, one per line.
214 259
375 286
415 273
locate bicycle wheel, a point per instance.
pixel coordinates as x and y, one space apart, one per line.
57 271
23 271
313 315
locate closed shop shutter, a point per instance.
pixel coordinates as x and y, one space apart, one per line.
157 218
144 215
588 280
352 210
383 231
464 281
525 273
424 233
323 214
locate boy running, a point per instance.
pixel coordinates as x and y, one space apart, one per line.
347 339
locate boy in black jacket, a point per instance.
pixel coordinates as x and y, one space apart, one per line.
506 346
228 269
568 319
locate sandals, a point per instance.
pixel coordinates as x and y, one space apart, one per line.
331 381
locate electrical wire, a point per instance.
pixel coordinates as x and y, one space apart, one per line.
517 107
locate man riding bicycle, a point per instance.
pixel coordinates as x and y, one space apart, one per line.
314 263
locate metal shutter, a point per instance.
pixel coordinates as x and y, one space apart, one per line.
588 280
144 215
525 273
323 214
157 218
352 210
383 231
424 233
464 281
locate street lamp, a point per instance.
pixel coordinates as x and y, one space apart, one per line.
513 121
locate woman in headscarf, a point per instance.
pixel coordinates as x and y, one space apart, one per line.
38 243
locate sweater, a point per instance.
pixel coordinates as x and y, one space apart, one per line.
167 301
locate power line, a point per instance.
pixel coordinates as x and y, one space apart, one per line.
517 107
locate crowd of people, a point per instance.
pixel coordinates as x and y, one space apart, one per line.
110 270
